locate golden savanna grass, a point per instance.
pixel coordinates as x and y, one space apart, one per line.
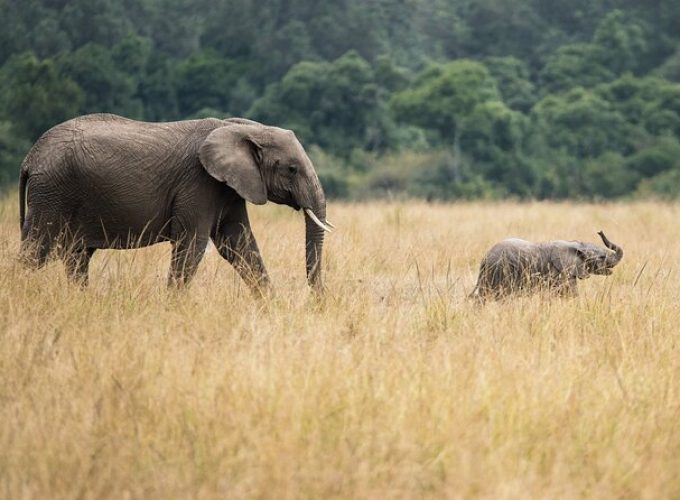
393 386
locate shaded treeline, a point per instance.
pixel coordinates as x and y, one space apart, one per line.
435 98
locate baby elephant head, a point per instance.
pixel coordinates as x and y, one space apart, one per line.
595 260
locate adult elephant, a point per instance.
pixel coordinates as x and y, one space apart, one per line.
104 181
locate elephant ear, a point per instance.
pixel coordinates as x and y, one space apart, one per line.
570 259
231 155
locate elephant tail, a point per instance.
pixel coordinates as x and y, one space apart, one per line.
481 290
476 294
23 179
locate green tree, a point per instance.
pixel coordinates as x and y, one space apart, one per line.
47 39
651 103
661 155
585 137
493 137
443 95
205 80
582 124
665 186
441 99
335 105
574 65
608 176
176 26
101 22
623 43
107 88
528 97
132 54
389 76
157 89
502 28
670 68
662 116
36 95
13 148
513 81
460 101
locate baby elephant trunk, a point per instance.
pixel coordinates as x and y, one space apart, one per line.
614 258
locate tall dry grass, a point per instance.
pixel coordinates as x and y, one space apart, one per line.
393 386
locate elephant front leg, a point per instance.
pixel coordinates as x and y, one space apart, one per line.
77 263
236 243
186 255
568 288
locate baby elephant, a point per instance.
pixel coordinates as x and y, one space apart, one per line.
516 265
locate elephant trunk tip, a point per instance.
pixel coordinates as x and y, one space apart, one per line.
618 251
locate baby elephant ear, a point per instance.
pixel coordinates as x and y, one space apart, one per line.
231 155
574 261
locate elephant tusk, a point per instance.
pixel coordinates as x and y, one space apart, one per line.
330 224
316 220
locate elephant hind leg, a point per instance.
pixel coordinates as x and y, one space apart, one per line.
35 248
77 263
34 253
490 283
39 236
186 255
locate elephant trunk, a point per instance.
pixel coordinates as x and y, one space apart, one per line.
314 236
614 258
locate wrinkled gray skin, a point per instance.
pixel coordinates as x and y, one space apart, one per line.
103 181
515 265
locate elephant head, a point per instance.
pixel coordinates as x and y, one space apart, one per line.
583 259
268 163
604 265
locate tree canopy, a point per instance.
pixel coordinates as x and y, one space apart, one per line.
434 98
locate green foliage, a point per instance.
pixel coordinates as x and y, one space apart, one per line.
500 28
106 86
13 148
157 89
132 54
665 186
492 126
608 176
494 137
633 96
332 171
658 157
204 80
101 22
434 98
444 95
436 183
334 105
572 66
513 82
35 94
582 124
623 43
670 69
662 116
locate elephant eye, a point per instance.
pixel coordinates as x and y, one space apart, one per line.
292 168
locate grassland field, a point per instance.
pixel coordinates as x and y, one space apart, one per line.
392 386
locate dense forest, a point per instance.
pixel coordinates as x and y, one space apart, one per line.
440 99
